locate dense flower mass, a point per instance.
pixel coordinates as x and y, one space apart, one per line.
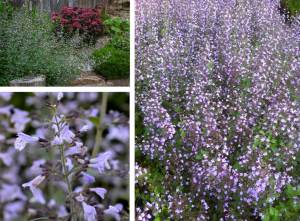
218 105
49 169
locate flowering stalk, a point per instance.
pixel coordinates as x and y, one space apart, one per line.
64 170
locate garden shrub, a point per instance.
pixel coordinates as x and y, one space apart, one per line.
112 62
217 93
86 21
31 48
118 29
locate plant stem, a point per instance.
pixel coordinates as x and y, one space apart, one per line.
98 139
40 218
65 174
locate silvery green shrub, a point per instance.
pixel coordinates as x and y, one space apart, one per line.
30 47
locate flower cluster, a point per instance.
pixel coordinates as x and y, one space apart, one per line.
218 94
86 21
48 167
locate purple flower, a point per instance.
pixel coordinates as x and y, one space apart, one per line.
37 193
67 135
7 157
89 212
77 149
12 210
10 192
20 119
101 162
99 191
87 178
24 139
114 211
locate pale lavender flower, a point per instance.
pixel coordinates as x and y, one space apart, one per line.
89 212
57 141
6 95
99 191
87 178
114 211
10 192
67 135
101 162
7 157
24 139
12 210
33 186
20 119
77 149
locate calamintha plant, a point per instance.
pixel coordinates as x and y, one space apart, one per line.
65 172
218 109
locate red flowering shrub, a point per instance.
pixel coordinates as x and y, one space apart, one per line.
85 20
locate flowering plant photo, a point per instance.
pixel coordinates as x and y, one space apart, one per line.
64 156
218 111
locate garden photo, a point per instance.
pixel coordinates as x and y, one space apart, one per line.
64 156
64 42
217 110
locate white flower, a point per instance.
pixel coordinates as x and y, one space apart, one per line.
36 192
24 139
114 211
101 162
60 95
89 212
100 191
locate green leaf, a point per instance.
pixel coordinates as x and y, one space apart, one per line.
201 154
94 120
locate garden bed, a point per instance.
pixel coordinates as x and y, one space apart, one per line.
60 48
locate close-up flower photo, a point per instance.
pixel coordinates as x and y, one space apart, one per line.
64 156
217 110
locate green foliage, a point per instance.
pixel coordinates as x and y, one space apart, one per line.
118 29
112 62
116 26
287 208
6 9
293 6
31 48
